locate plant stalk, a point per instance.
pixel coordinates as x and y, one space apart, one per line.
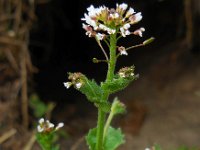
109 78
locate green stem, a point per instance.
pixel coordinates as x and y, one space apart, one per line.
109 77
112 61
100 129
110 117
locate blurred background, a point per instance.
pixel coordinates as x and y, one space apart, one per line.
42 40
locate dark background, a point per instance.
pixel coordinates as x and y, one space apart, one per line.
59 45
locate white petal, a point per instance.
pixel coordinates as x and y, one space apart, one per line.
100 36
123 6
60 125
138 17
51 125
41 121
39 128
78 85
130 12
123 53
67 84
126 26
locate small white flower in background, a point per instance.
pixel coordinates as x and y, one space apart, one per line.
122 50
47 126
147 148
139 31
67 84
60 125
103 20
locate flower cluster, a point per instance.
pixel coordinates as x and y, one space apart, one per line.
102 21
75 80
126 72
47 126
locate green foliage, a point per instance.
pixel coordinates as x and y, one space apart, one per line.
39 107
118 107
104 106
91 89
47 140
113 139
91 138
157 147
117 84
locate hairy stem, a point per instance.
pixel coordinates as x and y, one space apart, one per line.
109 77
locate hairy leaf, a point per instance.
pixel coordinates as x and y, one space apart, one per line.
117 84
91 138
113 139
91 89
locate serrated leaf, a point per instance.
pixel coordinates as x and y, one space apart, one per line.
113 139
92 90
91 138
117 84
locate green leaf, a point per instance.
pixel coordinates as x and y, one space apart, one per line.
117 84
118 107
157 147
45 140
39 107
91 89
113 139
91 138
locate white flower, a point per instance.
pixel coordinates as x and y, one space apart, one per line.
126 26
45 126
105 28
114 15
122 50
91 11
122 6
129 12
49 124
122 74
124 32
138 17
40 129
78 85
139 31
132 74
147 148
90 21
60 125
135 18
67 84
100 36
123 53
41 121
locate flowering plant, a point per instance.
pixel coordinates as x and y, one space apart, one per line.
108 25
46 134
